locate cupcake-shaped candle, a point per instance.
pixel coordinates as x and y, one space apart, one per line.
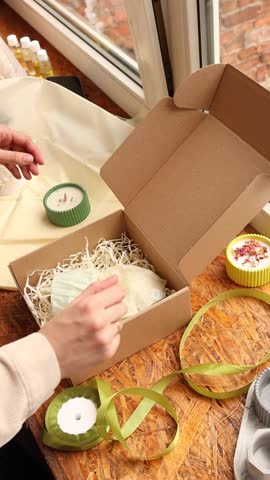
248 260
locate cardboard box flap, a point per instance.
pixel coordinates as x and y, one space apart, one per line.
197 91
188 181
233 98
148 147
243 106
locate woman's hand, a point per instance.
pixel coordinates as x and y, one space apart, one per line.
18 150
87 332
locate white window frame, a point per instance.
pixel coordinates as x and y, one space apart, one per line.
209 26
182 28
181 24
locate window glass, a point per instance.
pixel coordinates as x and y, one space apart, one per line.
107 17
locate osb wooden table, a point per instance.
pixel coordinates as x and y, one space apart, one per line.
236 331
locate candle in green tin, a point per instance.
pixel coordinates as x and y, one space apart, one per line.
66 204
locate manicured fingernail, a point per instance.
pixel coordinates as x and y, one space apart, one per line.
28 158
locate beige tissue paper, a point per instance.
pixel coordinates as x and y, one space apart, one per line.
75 137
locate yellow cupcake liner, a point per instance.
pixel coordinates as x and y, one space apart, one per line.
243 275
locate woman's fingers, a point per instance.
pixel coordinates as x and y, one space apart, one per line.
33 169
97 287
109 297
14 170
107 341
26 173
18 149
25 142
15 158
114 313
87 329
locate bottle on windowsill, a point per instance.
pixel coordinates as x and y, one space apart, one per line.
15 48
35 47
44 64
27 56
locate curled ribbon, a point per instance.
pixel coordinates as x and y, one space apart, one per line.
107 425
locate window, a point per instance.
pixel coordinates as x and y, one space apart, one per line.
119 44
115 43
107 17
104 25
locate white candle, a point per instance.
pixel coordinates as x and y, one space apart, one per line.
64 198
251 253
8 183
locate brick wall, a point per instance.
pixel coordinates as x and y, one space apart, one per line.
106 16
245 37
244 31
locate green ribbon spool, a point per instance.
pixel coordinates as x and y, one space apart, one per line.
54 437
107 425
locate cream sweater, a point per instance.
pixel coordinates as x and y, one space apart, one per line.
29 373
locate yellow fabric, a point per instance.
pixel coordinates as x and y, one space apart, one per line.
76 137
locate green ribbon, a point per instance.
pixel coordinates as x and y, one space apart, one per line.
107 425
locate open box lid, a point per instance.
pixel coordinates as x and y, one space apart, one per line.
196 170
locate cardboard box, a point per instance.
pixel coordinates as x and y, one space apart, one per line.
190 177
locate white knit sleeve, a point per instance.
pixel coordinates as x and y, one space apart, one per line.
29 373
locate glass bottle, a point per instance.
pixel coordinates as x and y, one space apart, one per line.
15 48
44 64
35 47
27 55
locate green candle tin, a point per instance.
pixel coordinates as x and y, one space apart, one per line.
66 204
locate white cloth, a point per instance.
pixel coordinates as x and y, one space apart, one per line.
142 286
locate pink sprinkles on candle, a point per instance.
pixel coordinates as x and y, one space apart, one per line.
251 253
